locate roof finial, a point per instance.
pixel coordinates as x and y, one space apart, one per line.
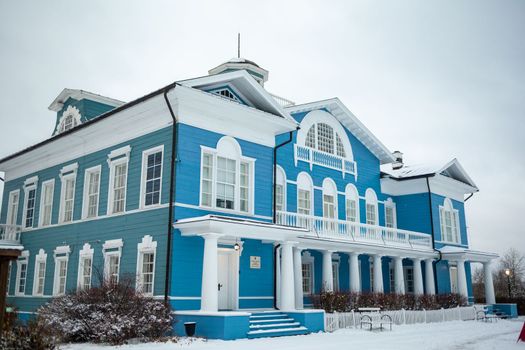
238 45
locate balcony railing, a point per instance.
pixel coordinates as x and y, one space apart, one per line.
354 231
327 160
10 234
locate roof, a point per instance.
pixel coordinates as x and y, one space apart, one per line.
449 251
58 102
452 169
350 121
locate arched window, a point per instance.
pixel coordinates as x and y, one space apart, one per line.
449 220
371 207
70 119
226 177
280 189
329 199
305 200
352 203
390 213
322 136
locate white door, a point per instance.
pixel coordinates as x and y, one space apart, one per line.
224 268
453 279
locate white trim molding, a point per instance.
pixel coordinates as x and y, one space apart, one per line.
144 175
147 246
40 258
23 259
116 158
85 254
61 256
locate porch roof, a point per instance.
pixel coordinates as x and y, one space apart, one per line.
452 253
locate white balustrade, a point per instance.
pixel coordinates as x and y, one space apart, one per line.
10 233
354 231
327 160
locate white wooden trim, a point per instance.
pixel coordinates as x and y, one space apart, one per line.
112 164
85 198
147 245
40 257
145 154
10 208
22 259
85 253
42 203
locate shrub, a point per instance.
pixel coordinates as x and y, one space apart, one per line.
33 336
110 313
346 301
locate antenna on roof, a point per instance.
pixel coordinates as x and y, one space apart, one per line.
238 45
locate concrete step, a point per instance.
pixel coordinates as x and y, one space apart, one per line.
275 325
272 320
282 332
269 315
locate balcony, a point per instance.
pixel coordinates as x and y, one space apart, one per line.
327 160
10 235
355 232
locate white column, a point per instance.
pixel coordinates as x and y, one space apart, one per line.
399 275
328 278
418 277
209 292
429 277
278 277
378 274
462 278
287 278
355 276
298 277
489 285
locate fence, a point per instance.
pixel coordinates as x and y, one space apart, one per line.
341 320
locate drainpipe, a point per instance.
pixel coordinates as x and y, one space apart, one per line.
470 196
174 140
432 231
274 202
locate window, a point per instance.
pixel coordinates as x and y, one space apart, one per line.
70 119
68 176
391 275
226 93
280 189
308 278
310 137
118 178
112 252
371 207
449 220
91 192
409 279
335 275
226 177
85 267
151 176
12 209
390 213
325 138
352 203
61 255
304 194
40 273
146 265
371 275
46 202
21 273
29 201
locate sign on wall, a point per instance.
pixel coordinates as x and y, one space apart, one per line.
255 262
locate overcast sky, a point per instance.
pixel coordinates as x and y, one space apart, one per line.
433 79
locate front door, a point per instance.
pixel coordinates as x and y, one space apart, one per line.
227 276
453 279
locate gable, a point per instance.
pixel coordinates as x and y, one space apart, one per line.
229 92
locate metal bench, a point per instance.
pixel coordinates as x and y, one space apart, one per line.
372 317
483 315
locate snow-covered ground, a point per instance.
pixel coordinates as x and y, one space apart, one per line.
443 336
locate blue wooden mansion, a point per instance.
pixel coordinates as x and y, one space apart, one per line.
233 204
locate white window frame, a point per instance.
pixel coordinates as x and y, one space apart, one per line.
148 245
40 258
67 173
112 248
117 157
330 189
85 197
390 204
371 199
72 112
23 259
12 218
86 253
43 204
30 184
60 254
307 259
280 181
305 183
144 174
229 148
448 207
351 194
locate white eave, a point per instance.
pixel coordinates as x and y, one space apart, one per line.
77 94
456 253
352 123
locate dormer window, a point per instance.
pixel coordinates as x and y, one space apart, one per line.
226 93
70 119
325 139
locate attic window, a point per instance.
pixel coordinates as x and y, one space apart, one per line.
226 93
327 140
70 119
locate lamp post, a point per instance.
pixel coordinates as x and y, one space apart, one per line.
507 273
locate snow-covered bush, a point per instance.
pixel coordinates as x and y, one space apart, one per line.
346 301
110 313
30 336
